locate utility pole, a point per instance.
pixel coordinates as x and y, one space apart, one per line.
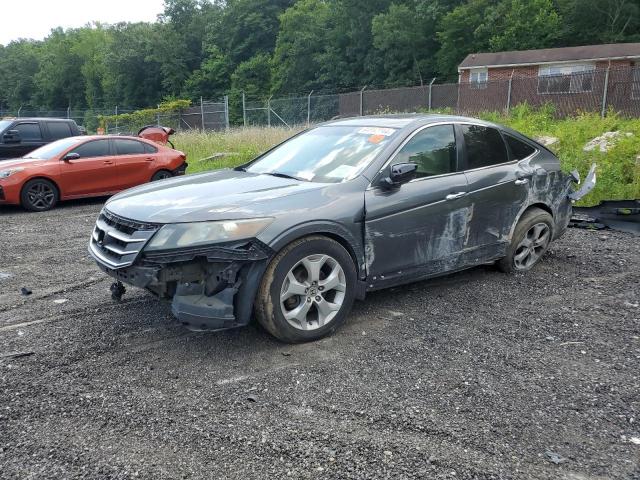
244 110
430 91
362 100
202 113
309 108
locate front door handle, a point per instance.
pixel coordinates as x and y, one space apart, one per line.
521 181
454 195
108 162
149 159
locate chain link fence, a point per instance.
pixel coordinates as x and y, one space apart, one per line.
598 91
204 115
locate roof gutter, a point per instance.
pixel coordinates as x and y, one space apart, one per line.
555 62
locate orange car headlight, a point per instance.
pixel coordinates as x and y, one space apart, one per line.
10 171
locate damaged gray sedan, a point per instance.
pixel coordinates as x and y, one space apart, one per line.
348 207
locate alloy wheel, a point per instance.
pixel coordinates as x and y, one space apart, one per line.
313 292
41 196
532 246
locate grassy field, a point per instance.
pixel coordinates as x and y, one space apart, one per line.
618 169
214 150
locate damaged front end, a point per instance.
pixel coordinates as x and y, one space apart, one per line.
211 287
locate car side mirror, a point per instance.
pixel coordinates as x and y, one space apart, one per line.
71 156
400 173
11 136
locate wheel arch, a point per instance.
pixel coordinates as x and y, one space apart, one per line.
540 205
330 230
42 177
163 169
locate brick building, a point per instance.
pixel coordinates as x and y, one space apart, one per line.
584 78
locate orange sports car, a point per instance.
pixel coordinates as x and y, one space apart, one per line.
88 166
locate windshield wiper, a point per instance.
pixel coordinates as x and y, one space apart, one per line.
286 175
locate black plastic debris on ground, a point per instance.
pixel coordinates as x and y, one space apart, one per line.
621 215
25 291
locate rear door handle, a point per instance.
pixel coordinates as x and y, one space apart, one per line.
454 195
108 162
149 159
522 181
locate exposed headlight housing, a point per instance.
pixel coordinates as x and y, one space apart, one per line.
10 171
181 235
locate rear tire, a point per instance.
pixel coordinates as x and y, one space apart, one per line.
39 195
530 241
307 290
161 175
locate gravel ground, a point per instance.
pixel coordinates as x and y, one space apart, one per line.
476 375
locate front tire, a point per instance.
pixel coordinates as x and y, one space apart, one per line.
39 195
307 290
530 241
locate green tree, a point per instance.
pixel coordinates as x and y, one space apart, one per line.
459 34
599 21
212 79
249 27
59 81
19 63
522 25
401 37
300 46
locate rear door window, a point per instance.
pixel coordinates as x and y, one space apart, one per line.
150 148
484 146
519 149
59 130
129 147
432 149
29 132
94 148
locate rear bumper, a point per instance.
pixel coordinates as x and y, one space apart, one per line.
181 170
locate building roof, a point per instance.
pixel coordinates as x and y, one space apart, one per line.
552 55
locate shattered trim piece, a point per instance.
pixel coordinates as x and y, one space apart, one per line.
587 186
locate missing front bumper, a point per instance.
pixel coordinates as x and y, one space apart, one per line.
209 289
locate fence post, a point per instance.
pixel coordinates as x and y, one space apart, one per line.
69 112
605 92
269 111
158 116
362 100
509 92
19 111
226 111
244 111
430 90
309 108
116 120
202 114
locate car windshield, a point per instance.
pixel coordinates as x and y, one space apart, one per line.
4 124
52 150
329 154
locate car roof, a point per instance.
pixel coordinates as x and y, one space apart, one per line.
407 120
34 119
107 137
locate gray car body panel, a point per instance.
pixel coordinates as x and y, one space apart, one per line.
395 235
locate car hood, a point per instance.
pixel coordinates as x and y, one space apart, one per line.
20 162
208 196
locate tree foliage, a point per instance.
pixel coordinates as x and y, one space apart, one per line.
210 48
